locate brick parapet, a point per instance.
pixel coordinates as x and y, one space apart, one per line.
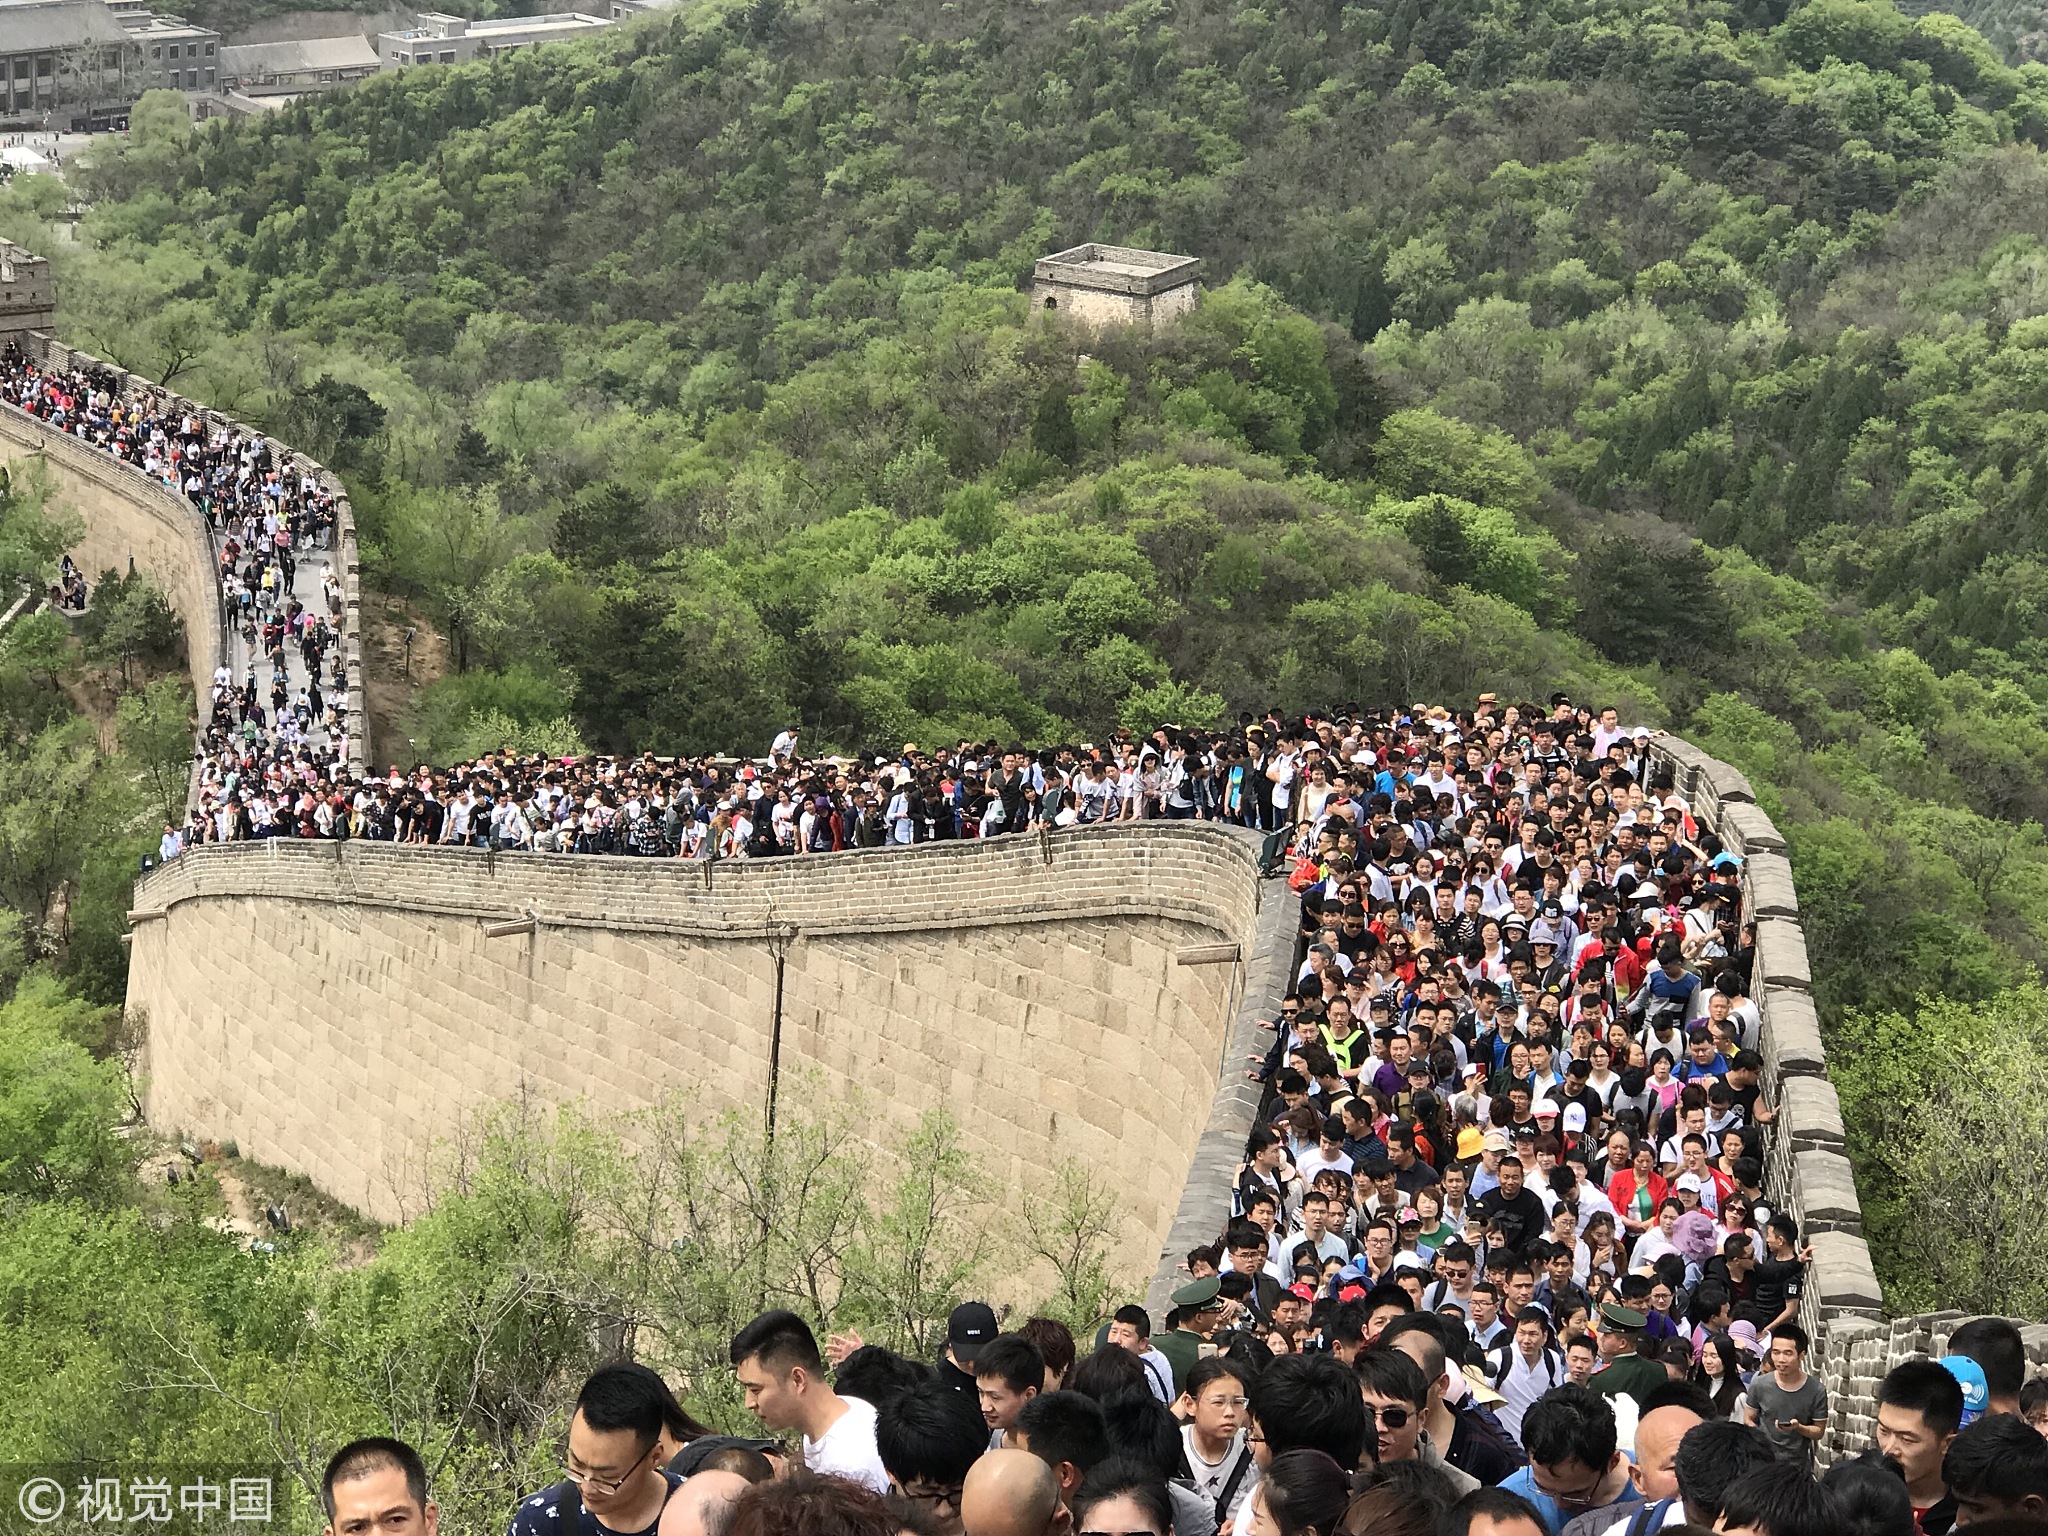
1193 871
340 1008
1807 1170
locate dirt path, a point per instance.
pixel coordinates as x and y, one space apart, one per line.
245 1213
386 682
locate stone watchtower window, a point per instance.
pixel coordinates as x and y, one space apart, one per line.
1052 303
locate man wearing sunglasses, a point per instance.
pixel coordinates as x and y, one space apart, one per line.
1396 1397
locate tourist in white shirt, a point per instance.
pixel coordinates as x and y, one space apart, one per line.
776 1360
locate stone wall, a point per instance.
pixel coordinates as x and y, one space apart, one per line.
1808 1172
132 519
337 1008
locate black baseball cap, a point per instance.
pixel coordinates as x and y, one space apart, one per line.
972 1325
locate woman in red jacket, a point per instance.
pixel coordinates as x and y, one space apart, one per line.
1637 1191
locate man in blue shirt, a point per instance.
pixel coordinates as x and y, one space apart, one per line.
1574 1463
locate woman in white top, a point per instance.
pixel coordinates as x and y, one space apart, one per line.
1597 1250
1316 793
1603 1079
1656 1242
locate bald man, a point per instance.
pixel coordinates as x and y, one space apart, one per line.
1656 1476
1012 1493
703 1505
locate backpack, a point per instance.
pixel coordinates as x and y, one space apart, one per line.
1650 1518
1230 1484
1502 1360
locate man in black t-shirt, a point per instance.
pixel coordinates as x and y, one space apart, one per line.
1778 1279
1745 1088
1513 1206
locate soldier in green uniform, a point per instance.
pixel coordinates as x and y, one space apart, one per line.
1626 1371
1199 1308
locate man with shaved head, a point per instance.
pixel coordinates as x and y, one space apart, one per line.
1668 1412
378 1487
703 1505
1012 1493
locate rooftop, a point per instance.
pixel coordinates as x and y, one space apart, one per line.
1118 269
28 26
435 26
158 26
299 55
556 21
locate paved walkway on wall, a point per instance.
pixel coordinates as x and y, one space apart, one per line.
244 658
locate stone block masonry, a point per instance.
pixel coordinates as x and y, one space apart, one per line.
338 1008
130 520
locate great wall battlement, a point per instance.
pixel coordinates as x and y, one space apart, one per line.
338 1008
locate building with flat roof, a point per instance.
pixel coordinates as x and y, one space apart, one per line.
28 291
175 54
66 64
439 39
1101 285
294 67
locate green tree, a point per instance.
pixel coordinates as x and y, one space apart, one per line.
1052 425
52 810
130 620
58 1107
1640 601
155 730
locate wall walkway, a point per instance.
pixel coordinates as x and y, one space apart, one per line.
133 521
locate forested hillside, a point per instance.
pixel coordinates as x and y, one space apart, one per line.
1693 357
2018 29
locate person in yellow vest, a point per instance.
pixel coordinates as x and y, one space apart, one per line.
1344 1039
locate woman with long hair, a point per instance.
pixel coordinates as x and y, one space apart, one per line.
1125 1495
1719 1373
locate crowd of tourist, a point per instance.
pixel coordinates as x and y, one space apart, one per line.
274 754
1023 1434
1502 1257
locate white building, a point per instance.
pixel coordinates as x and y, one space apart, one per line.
440 39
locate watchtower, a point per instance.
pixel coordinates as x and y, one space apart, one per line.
1102 285
28 292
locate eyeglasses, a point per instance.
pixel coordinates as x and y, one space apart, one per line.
947 1497
1389 1418
1228 1402
1581 1499
605 1487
